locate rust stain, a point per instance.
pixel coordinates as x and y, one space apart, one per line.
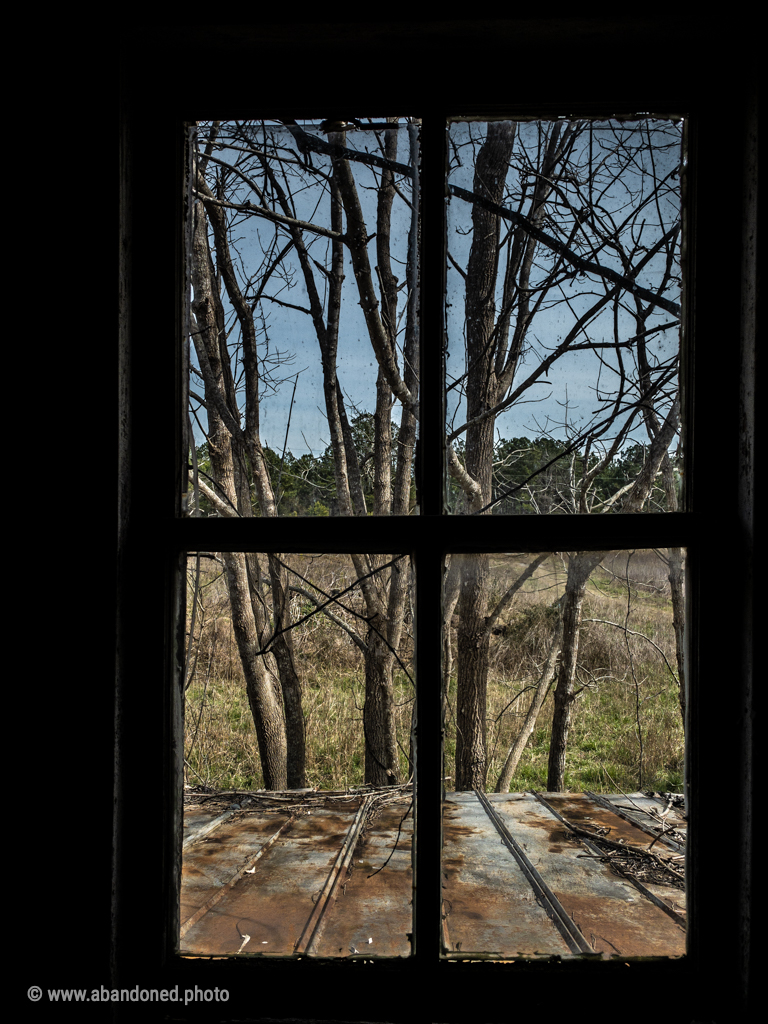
488 905
227 907
376 899
622 928
581 811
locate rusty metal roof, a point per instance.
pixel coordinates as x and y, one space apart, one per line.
329 874
284 874
540 874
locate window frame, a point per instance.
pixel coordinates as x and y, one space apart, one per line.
145 904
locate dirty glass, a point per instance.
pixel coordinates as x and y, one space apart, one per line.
564 702
299 696
302 258
563 316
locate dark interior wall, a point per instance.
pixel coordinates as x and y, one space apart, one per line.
324 68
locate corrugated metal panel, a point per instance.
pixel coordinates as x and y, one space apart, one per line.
301 877
488 904
484 908
330 875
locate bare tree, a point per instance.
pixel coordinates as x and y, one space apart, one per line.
229 452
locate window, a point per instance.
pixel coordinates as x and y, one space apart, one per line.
147 937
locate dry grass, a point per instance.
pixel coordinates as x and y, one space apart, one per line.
621 675
624 677
220 741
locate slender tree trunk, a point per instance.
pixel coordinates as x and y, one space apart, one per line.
677 585
226 445
676 557
542 689
451 590
290 680
480 314
385 612
262 687
579 570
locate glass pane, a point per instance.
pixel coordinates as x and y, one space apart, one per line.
564 814
303 244
563 316
298 809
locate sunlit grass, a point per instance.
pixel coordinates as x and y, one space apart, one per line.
621 675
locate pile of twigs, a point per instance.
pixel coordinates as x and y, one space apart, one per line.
626 859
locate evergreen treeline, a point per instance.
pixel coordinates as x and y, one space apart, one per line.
531 476
543 475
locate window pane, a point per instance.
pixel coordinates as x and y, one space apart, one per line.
563 316
563 711
303 248
299 696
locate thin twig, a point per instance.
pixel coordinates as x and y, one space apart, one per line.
634 632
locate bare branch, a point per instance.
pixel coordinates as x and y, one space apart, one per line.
576 261
507 598
633 632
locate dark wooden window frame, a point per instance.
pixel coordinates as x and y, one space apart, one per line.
719 381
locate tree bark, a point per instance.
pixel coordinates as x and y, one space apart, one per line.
579 570
381 761
472 674
290 681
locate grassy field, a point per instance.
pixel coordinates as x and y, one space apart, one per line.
626 730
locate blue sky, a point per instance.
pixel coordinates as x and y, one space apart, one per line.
290 343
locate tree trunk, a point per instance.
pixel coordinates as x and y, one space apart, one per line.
677 585
226 445
386 613
676 557
579 571
381 761
451 590
290 681
261 685
542 689
472 674
480 314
